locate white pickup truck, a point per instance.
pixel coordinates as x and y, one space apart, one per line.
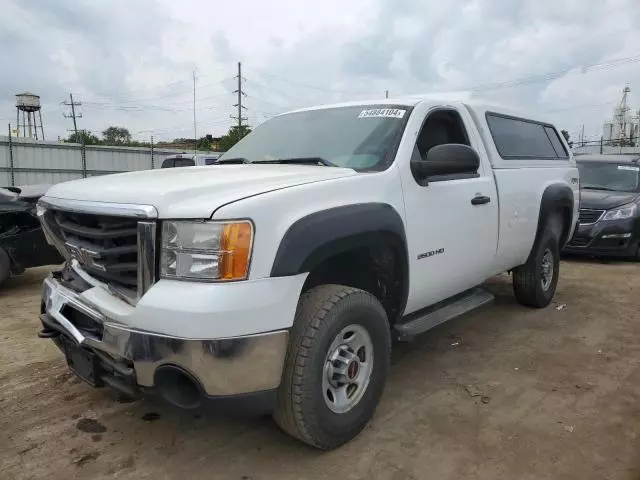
279 277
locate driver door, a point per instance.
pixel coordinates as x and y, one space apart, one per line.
452 220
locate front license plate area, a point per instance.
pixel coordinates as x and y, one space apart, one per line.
82 362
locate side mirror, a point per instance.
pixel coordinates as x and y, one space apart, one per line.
448 159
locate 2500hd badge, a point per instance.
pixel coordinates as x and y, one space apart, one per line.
430 253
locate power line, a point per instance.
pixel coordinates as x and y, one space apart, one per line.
143 106
269 102
166 95
280 92
262 112
581 69
136 105
579 107
301 84
119 98
183 126
552 75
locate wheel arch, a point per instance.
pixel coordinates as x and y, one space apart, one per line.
327 234
556 198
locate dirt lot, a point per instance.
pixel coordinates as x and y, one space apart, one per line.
505 393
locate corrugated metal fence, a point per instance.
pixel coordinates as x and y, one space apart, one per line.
30 162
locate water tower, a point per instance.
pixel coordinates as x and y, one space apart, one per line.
29 105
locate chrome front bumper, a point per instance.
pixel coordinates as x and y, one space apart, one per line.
223 366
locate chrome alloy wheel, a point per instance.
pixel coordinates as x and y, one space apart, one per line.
546 269
347 368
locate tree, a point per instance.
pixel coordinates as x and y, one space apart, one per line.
567 137
203 144
83 135
116 136
233 136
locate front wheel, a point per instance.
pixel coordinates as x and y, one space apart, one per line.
336 366
534 283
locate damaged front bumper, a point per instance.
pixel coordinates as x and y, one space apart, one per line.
185 372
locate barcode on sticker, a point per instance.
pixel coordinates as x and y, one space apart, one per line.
628 167
382 112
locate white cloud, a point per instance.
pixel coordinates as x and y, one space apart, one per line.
131 62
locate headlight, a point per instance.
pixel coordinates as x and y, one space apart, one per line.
628 211
205 250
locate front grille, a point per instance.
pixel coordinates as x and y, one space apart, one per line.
105 246
588 216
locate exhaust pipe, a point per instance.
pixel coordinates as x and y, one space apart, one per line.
178 387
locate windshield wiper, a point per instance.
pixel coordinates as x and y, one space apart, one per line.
302 160
233 161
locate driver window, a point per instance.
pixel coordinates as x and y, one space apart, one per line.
441 127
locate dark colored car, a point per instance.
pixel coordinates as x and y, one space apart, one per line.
190 160
609 222
22 241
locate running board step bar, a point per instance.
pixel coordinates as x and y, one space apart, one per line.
441 312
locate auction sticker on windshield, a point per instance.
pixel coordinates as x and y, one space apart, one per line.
382 112
626 167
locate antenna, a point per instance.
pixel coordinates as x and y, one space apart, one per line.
195 130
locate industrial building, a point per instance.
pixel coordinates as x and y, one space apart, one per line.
624 128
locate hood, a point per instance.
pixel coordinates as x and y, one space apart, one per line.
605 200
193 192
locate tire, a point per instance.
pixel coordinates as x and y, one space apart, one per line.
325 316
5 266
529 285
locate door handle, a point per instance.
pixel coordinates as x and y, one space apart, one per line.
480 200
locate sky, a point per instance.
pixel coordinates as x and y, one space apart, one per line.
131 62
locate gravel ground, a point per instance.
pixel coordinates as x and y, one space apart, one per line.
503 393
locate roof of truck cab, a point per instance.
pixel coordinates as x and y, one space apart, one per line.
452 98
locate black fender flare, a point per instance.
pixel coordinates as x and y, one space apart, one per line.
320 235
557 196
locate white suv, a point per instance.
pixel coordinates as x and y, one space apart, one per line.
279 278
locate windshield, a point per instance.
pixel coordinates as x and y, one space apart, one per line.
609 176
362 137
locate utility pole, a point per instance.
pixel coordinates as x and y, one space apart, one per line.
582 136
386 94
195 130
73 115
240 93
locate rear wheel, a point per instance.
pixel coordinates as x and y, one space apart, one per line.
534 283
5 266
336 366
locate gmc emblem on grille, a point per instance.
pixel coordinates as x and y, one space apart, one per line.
84 256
